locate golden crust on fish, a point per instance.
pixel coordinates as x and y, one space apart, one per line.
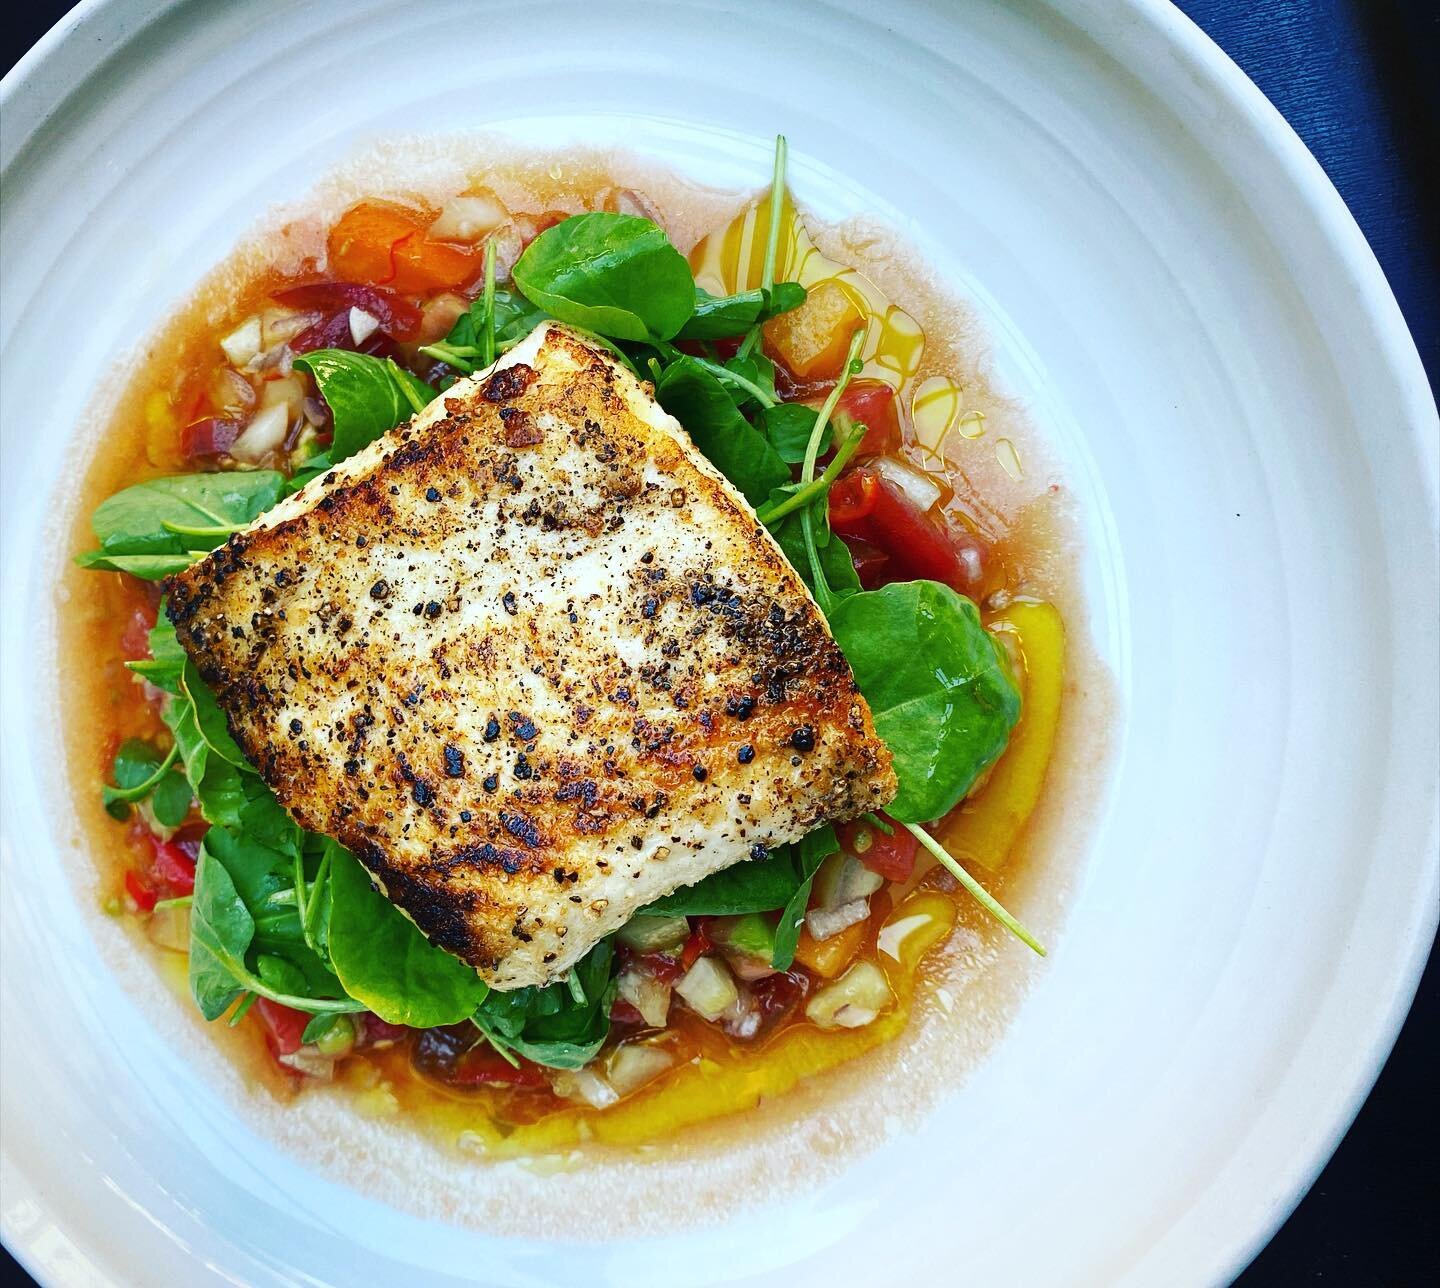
534 661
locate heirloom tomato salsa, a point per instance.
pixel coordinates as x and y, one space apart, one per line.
685 1015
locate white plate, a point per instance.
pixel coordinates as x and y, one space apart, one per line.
1190 312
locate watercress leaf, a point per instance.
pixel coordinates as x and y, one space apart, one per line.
146 567
166 664
220 932
136 769
151 528
515 318
736 448
313 468
170 801
833 555
615 274
752 885
561 1025
210 720
788 427
939 687
811 852
717 317
281 975
384 961
365 395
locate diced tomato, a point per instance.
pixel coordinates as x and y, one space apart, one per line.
140 892
483 1066
189 836
397 316
870 403
284 1027
135 638
696 946
380 243
173 869
870 562
867 506
893 856
213 436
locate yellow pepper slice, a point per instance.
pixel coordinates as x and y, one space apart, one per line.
984 828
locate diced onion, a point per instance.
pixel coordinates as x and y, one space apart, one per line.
742 1017
468 219
648 995
853 1000
584 1085
824 923
264 434
631 1066
243 343
920 488
708 988
310 1062
231 392
362 325
169 927
287 392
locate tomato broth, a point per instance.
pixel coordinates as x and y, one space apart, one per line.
950 484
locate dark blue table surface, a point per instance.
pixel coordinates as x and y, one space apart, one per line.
1359 80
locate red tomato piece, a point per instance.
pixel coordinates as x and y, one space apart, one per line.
867 506
870 562
893 856
284 1027
396 315
696 946
870 403
135 638
173 869
140 892
484 1066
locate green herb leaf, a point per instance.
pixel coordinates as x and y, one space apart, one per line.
615 274
788 427
383 960
561 1025
159 527
939 687
718 317
736 448
137 770
811 852
367 396
170 801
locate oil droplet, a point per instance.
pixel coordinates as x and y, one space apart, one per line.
1009 458
971 424
557 171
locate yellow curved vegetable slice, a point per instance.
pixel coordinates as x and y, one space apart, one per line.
985 828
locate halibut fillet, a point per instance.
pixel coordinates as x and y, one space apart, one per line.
534 661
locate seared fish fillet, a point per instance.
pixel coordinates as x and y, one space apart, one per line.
534 661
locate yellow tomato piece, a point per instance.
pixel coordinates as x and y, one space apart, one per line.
812 340
828 957
984 828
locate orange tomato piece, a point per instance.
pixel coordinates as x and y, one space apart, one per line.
380 243
828 957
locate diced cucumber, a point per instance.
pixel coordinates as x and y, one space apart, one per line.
823 923
842 879
631 1066
647 933
708 988
648 995
752 935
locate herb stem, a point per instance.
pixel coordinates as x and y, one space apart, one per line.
487 332
410 395
736 379
981 895
142 790
220 530
772 239
827 409
816 487
453 355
